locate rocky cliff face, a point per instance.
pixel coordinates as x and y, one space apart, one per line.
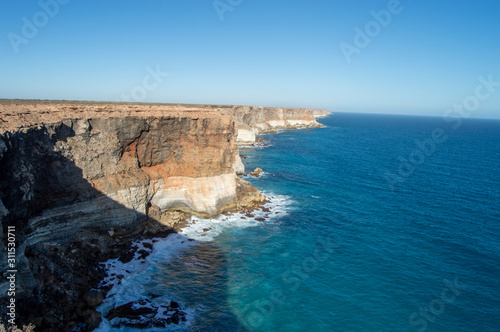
253 120
67 165
80 176
108 173
112 175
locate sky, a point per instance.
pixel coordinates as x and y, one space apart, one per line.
389 56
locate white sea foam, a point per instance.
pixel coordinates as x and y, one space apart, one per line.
261 145
131 280
202 229
137 274
247 176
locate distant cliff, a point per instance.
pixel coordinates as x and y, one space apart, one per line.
254 120
82 175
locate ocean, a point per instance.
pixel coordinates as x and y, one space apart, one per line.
375 223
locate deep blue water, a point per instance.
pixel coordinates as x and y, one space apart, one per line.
375 232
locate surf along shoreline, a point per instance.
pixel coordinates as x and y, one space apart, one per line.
150 311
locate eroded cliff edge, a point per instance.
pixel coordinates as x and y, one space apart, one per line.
76 178
255 120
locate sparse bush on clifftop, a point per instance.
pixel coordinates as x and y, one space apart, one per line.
29 328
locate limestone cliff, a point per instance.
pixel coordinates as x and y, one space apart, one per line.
108 172
109 164
79 176
253 120
110 175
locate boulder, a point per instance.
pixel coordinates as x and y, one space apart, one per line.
93 298
257 172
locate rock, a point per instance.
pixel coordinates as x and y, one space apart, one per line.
50 319
93 298
126 256
3 148
128 311
261 142
260 219
92 319
37 321
249 198
257 172
79 309
206 195
246 135
175 318
75 327
146 314
70 326
3 210
238 166
143 254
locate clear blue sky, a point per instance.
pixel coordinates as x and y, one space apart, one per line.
264 52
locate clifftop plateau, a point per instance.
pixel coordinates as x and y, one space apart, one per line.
19 113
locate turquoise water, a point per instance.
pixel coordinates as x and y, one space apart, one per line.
345 246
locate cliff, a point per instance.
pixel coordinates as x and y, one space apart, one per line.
75 178
73 169
254 120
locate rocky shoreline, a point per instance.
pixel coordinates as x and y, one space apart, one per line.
68 275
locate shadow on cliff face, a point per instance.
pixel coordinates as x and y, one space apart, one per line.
61 228
64 228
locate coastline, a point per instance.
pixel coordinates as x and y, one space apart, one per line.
103 220
124 282
192 231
